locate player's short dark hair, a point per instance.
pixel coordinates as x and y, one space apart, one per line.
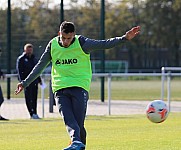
67 27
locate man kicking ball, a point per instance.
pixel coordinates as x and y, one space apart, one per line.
71 75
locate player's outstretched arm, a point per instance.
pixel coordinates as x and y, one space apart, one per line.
132 33
19 88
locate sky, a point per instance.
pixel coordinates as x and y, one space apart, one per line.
4 3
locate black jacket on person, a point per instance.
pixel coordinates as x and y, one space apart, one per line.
24 66
1 93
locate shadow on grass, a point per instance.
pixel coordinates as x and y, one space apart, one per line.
114 117
26 121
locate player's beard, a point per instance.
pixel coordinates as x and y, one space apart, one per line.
65 45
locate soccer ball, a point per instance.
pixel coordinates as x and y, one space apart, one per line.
157 111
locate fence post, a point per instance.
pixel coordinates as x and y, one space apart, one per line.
43 99
168 89
51 98
163 80
109 92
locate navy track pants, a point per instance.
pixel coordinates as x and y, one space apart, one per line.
72 103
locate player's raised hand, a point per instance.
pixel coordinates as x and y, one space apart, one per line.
132 33
19 88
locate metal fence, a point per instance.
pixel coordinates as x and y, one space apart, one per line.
109 76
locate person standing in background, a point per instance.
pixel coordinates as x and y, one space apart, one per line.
24 65
1 93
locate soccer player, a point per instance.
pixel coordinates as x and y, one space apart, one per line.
71 75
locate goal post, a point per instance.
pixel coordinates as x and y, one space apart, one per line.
166 72
111 66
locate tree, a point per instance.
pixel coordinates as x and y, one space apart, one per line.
3 38
164 26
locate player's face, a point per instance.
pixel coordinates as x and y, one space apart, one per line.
66 38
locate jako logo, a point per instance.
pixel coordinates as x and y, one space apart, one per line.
66 61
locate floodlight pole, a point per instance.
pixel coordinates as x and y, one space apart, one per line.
8 48
61 11
102 36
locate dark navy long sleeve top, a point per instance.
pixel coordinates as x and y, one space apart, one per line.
88 45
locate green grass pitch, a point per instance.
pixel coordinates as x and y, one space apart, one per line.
128 132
